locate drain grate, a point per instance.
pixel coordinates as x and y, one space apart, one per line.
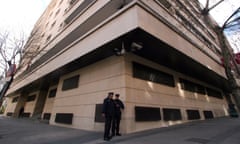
198 140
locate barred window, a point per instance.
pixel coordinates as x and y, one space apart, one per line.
150 74
214 93
193 114
191 86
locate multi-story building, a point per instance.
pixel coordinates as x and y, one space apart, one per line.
159 55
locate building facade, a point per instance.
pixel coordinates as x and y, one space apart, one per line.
159 55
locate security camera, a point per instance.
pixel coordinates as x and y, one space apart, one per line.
119 51
136 46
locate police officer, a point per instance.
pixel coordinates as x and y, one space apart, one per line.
108 112
119 106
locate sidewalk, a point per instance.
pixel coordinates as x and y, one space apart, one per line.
217 131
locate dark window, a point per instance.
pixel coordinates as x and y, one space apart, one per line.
31 98
15 99
43 34
193 114
9 114
165 3
200 89
191 86
171 114
147 113
65 118
98 113
70 83
52 93
57 12
52 25
187 85
46 116
150 74
47 24
208 114
27 115
50 14
214 93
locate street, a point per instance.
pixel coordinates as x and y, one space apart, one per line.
217 131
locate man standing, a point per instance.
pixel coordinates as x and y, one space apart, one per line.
119 106
108 112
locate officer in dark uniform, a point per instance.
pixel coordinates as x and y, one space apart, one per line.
119 106
108 112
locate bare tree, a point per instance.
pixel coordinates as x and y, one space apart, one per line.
11 49
17 54
230 24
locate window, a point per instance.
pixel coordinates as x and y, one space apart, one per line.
65 118
46 24
193 114
187 85
46 116
43 34
150 74
48 38
9 114
57 12
98 113
200 89
52 93
208 114
31 98
50 14
53 24
26 114
15 99
191 86
70 83
147 114
171 114
214 93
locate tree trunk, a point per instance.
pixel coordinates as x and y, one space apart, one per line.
236 96
228 60
5 88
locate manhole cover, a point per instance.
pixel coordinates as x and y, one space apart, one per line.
198 140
